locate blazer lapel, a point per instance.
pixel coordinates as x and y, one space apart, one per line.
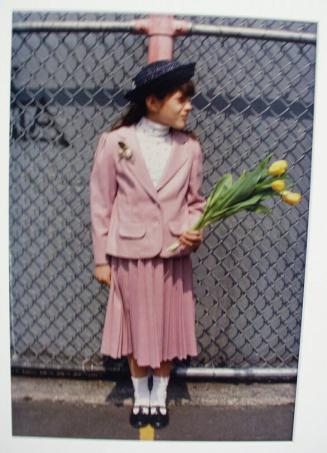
177 159
137 163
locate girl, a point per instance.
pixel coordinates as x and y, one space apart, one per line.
145 193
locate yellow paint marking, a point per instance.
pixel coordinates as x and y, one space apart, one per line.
146 432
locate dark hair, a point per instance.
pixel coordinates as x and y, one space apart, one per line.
135 111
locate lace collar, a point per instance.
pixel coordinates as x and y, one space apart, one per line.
153 128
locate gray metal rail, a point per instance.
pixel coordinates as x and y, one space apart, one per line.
130 26
239 373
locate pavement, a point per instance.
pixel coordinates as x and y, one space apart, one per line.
199 410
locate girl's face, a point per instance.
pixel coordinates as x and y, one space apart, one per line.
172 110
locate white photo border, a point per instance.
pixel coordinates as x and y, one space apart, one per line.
311 399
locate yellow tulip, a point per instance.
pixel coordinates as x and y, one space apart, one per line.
278 168
291 197
278 185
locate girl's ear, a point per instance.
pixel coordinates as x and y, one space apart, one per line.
152 103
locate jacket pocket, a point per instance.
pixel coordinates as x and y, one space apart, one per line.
177 227
131 230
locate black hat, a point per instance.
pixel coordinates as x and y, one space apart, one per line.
157 74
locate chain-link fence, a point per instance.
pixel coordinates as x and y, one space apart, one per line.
253 97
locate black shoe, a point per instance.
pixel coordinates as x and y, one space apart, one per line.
141 418
160 418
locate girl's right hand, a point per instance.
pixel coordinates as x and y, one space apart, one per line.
103 273
191 239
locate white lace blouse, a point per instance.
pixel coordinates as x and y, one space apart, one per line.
155 144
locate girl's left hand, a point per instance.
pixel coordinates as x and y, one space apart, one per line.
192 238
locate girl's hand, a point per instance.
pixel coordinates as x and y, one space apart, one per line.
192 238
103 273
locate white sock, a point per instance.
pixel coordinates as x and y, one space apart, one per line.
159 392
141 392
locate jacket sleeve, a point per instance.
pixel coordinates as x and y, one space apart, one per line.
195 199
103 189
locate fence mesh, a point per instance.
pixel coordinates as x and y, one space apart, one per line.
253 97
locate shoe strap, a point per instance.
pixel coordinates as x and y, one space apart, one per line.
143 409
158 409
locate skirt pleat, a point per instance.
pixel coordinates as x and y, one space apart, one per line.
151 310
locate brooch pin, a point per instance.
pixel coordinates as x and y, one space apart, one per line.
124 151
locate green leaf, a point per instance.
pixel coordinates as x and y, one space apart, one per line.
221 186
260 209
242 188
243 204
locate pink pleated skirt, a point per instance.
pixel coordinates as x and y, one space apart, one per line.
151 310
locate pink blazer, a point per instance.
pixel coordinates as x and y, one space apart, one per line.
131 218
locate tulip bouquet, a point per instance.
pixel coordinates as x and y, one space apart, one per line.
247 193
